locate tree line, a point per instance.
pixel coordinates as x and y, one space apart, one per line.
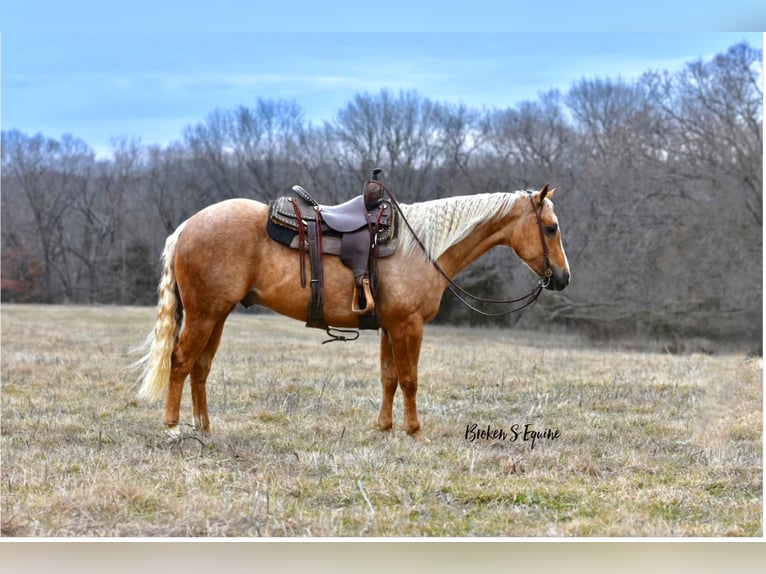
660 199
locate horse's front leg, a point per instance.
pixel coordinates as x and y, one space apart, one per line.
405 346
389 379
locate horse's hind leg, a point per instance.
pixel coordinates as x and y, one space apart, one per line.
389 379
193 339
199 374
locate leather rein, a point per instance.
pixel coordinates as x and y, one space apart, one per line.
462 295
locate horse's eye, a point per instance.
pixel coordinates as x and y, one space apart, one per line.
550 230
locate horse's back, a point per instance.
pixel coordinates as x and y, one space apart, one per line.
237 209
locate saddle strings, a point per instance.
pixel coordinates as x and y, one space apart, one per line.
461 294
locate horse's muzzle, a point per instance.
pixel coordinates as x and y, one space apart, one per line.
558 280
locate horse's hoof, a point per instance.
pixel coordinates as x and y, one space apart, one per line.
419 437
173 432
201 427
385 427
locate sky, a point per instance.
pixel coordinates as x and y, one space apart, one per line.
99 71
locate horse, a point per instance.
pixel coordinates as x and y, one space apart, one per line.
222 256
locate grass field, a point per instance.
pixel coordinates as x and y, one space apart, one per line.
635 444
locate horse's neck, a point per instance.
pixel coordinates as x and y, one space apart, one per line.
487 235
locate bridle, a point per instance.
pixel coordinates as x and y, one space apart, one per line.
462 295
545 277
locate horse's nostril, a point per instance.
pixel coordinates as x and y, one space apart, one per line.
559 280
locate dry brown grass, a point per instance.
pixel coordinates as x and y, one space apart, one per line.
650 444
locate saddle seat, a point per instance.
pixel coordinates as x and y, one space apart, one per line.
345 217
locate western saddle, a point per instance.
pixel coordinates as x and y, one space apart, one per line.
359 231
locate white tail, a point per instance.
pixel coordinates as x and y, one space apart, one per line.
159 345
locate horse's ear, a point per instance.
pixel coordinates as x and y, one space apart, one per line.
546 192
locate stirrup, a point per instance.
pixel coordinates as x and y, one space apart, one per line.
370 303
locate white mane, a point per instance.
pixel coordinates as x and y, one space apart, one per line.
442 223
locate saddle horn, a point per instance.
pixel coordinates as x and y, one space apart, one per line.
373 191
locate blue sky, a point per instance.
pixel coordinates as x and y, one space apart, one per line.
99 72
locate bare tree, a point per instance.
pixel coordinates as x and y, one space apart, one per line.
248 152
402 134
47 172
265 140
714 119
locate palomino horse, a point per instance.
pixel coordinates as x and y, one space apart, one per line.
222 255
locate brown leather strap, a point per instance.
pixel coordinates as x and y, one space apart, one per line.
316 304
301 240
547 269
